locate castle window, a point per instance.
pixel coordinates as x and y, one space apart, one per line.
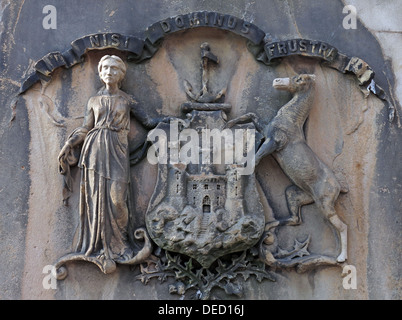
194 187
206 187
218 187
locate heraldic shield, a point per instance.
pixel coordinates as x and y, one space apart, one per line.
206 203
202 209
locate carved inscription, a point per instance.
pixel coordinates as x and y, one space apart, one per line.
108 40
301 47
205 19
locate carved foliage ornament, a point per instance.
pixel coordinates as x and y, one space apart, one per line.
206 218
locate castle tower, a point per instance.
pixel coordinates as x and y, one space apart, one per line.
235 182
177 183
234 190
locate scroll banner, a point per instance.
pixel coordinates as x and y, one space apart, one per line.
140 49
313 48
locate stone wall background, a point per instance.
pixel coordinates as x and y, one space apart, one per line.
349 131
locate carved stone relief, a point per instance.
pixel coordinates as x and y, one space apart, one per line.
206 225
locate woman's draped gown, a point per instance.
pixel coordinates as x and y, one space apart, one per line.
104 187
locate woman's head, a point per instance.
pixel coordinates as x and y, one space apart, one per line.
112 69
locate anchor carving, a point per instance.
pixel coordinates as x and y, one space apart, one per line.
204 96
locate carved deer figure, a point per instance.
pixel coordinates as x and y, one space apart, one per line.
284 139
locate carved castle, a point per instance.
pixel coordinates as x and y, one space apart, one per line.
206 192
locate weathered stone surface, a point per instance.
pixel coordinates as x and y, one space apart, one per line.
348 129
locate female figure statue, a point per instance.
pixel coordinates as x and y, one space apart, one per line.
105 173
